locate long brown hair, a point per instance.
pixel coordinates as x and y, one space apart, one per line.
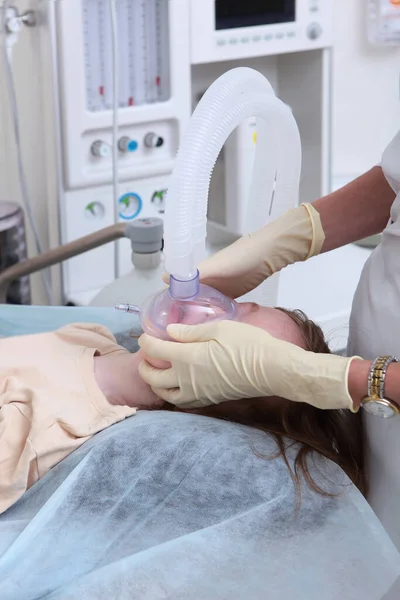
335 434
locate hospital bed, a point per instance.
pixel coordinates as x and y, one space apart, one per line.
172 505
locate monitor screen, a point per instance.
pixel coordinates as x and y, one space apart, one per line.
230 14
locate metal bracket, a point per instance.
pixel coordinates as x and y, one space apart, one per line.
15 21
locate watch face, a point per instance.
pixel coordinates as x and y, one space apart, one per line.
379 408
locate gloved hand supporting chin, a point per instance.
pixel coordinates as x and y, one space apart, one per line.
223 361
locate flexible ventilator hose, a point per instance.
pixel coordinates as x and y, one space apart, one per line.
239 94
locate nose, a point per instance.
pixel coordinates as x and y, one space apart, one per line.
247 308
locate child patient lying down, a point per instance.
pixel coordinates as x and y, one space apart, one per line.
58 389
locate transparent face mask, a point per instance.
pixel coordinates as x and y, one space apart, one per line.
204 305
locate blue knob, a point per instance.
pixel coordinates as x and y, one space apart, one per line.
132 146
125 144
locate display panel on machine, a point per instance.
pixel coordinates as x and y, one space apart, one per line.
230 14
143 52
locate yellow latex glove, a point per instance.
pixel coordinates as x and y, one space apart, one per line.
222 361
295 236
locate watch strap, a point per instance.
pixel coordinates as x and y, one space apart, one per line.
377 375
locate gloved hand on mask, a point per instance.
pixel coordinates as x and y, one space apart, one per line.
242 266
227 360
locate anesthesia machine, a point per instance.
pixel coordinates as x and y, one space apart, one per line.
126 77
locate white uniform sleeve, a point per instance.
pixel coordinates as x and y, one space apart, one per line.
391 163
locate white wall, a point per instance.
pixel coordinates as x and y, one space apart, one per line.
366 111
31 106
33 87
366 103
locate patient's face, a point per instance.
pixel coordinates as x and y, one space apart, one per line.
279 325
273 321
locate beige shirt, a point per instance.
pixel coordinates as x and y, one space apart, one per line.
50 403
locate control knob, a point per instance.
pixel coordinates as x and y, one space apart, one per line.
314 31
100 149
126 144
152 140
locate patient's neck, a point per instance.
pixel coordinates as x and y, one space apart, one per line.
118 377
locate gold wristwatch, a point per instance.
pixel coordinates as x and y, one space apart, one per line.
375 403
